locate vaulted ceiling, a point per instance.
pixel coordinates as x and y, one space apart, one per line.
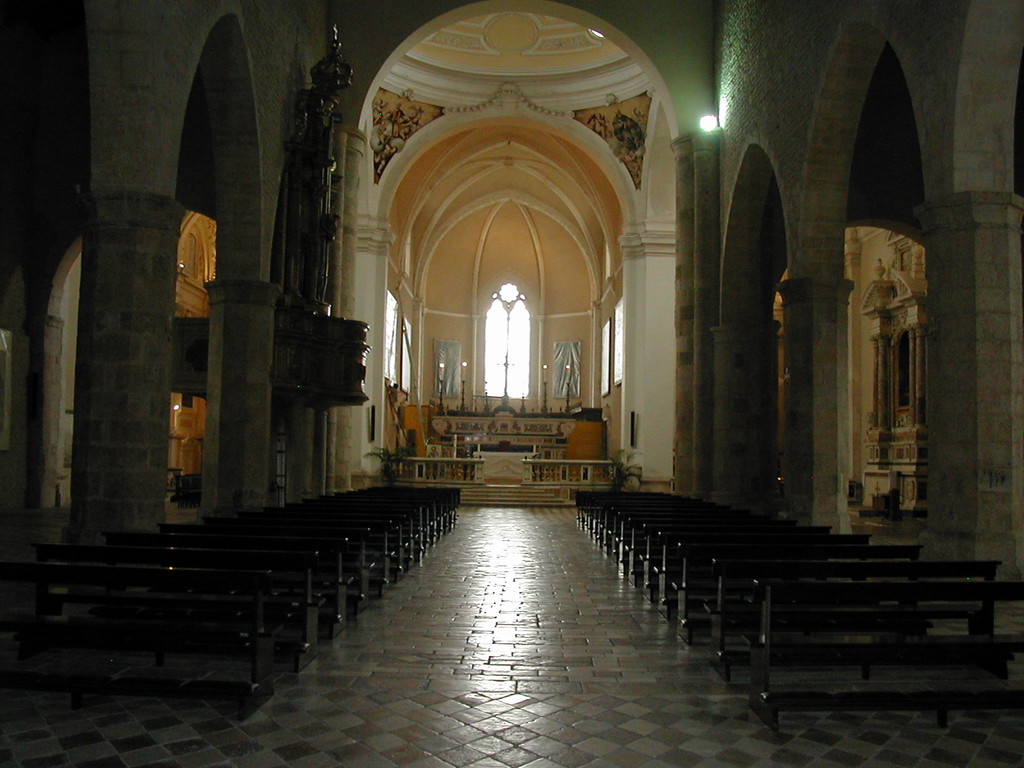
511 196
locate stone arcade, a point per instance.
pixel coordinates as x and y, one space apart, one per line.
775 246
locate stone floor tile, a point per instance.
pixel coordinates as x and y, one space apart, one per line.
516 643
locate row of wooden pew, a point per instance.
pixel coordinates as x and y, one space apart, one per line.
768 594
230 601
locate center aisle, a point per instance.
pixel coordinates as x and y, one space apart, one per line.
516 641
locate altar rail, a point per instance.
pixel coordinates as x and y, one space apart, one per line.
587 473
584 473
419 469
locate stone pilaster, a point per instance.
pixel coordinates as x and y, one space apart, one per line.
238 421
648 299
123 371
816 441
707 257
685 482
974 372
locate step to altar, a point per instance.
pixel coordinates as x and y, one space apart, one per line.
492 495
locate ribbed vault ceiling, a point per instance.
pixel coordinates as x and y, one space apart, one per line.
510 198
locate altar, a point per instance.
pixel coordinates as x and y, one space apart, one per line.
502 467
496 443
526 432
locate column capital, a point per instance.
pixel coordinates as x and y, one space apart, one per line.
706 141
255 292
375 235
350 129
969 210
796 290
698 141
640 241
682 146
730 334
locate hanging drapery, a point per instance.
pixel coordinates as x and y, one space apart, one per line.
567 369
447 367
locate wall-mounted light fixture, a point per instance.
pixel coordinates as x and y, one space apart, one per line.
709 123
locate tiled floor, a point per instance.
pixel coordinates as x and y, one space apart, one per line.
514 644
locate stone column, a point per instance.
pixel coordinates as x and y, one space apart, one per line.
238 419
123 371
881 418
920 390
320 454
745 439
817 407
706 278
912 340
974 373
373 239
299 451
685 482
349 149
52 407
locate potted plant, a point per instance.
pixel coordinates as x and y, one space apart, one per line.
625 474
390 461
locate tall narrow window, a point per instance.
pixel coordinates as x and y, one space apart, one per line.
390 336
507 344
619 344
606 352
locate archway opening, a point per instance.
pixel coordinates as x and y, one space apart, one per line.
522 158
888 315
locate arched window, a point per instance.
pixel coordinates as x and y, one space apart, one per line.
507 344
390 336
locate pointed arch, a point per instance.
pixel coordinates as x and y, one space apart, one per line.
225 74
754 256
823 205
974 152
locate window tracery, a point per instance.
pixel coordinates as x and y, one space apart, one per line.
507 344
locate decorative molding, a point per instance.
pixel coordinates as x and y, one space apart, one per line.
508 95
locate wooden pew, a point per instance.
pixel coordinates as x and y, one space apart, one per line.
341 586
291 602
423 523
668 577
735 614
651 536
393 537
973 642
350 541
633 540
693 583
192 623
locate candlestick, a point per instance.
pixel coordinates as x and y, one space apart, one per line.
440 387
462 404
544 390
568 379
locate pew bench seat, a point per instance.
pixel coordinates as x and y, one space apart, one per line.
972 644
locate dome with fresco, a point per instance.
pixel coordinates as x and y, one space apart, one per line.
554 63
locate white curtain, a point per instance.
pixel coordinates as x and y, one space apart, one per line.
447 363
567 369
